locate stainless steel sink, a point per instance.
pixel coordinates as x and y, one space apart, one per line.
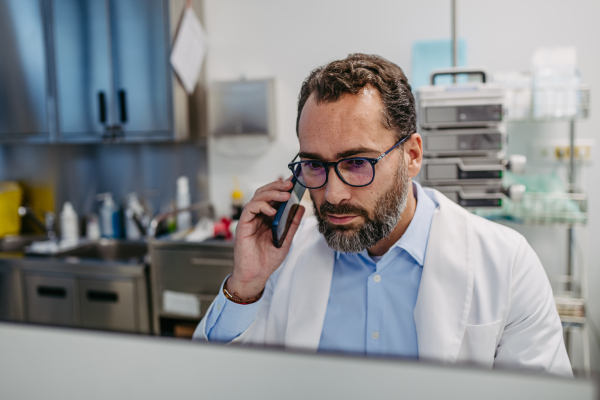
16 243
109 250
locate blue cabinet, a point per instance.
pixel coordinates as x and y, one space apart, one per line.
25 102
85 70
112 73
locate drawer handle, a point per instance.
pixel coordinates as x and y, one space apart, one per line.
212 262
103 297
54 292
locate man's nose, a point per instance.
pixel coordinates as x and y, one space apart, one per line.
336 190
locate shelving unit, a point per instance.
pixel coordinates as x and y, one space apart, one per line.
567 103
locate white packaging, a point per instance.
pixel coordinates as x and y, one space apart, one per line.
69 224
184 219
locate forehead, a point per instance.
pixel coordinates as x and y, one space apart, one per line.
354 121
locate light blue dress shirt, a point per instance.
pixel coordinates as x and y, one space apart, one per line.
371 302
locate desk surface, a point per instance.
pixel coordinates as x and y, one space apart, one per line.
55 363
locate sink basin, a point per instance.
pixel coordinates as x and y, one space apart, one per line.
16 243
104 250
109 250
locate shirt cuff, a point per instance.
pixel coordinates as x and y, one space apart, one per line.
227 319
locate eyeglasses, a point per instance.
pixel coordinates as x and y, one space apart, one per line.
353 171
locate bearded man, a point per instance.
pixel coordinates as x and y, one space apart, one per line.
385 267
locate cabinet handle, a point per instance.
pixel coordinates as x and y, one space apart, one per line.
214 262
102 107
50 291
123 105
102 296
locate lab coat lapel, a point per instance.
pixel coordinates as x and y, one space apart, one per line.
446 288
309 296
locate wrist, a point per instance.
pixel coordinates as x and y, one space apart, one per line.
244 290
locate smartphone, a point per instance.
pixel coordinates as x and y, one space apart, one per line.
286 213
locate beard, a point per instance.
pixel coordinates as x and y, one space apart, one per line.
377 224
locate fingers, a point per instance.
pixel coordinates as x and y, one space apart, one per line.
272 195
282 186
254 208
294 227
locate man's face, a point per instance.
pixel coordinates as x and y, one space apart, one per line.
354 218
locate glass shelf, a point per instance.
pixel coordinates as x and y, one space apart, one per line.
547 103
542 209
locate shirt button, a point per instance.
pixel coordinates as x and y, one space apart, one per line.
375 335
218 306
377 278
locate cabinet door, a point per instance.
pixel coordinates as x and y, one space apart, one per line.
108 305
23 72
141 67
6 294
82 53
50 300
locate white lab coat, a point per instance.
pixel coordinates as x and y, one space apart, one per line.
484 297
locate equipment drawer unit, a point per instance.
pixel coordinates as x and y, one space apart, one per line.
474 196
464 142
461 106
51 300
468 170
108 304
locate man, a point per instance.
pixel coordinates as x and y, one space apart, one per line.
385 267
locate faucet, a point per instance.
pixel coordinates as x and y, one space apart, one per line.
205 206
48 226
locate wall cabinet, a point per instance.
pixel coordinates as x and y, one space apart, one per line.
112 74
25 110
87 71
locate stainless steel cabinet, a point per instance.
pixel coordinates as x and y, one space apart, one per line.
112 72
6 294
50 300
24 92
107 304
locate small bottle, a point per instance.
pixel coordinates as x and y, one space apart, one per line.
184 219
237 200
237 204
92 228
69 224
109 217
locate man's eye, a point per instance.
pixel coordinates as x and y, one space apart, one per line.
356 162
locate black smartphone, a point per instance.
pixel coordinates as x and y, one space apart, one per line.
286 213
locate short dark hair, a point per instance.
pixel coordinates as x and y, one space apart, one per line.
331 81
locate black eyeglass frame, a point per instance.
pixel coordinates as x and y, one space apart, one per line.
335 164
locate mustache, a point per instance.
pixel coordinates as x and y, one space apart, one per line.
340 209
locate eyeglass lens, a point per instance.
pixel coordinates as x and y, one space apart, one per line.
355 172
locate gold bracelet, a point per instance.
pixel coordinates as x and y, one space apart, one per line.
237 299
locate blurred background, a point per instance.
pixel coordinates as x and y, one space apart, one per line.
114 114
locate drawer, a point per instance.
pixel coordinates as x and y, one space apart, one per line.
108 304
191 271
50 300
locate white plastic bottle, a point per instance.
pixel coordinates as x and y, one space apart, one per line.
69 224
184 219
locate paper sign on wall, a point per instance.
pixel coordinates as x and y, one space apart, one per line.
189 50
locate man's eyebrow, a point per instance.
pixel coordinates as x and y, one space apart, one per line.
343 154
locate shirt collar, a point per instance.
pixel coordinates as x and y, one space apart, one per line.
414 240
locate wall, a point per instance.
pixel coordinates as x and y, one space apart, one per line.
78 172
285 39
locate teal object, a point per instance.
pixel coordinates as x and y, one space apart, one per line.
434 54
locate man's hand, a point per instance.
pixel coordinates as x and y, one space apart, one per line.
255 255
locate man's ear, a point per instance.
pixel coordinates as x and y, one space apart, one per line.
413 154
